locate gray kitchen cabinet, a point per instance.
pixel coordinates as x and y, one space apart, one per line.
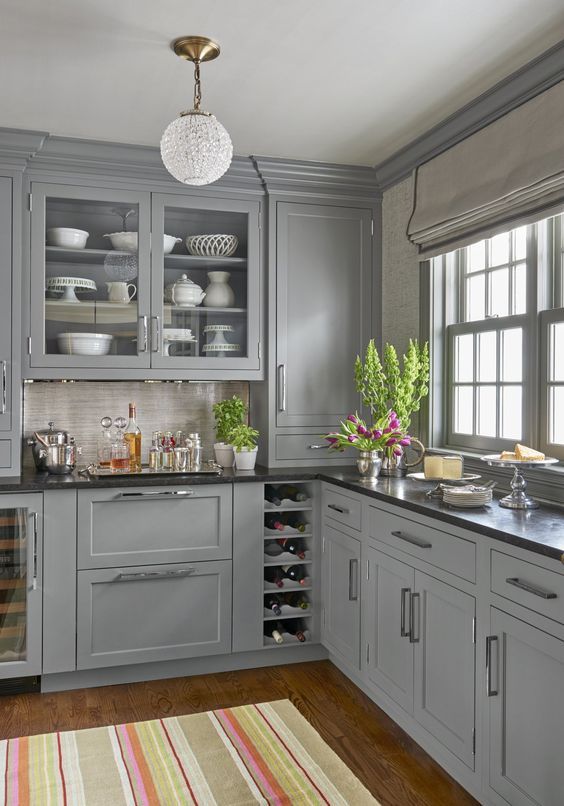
21 574
340 592
149 613
526 712
143 526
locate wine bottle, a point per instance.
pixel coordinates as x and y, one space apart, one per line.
274 574
132 436
296 573
274 602
272 549
292 493
271 495
271 630
294 627
294 520
273 521
296 599
294 545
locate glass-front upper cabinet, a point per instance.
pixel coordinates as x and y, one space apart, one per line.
90 277
20 585
205 283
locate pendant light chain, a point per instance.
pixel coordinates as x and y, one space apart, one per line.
197 87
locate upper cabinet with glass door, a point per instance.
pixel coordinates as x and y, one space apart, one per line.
90 277
205 284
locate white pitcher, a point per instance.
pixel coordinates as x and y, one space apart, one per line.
119 292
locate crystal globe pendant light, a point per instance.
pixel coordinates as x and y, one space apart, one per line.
195 148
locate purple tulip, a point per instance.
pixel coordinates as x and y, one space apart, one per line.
405 441
390 442
352 419
394 424
387 430
332 440
362 430
352 438
376 434
393 415
397 452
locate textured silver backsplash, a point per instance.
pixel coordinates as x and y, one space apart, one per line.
77 407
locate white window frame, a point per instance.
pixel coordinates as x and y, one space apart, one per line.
547 318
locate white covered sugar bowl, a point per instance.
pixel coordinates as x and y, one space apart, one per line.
186 293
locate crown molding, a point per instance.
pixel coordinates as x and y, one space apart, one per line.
533 78
18 146
295 177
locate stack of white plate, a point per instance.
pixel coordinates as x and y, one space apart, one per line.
470 496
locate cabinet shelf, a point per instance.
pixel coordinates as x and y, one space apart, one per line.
304 506
286 559
196 262
60 254
270 587
289 640
274 534
287 612
201 310
96 312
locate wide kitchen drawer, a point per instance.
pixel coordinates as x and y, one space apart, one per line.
529 585
441 549
143 526
306 446
342 508
153 613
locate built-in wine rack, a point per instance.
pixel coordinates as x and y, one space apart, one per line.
275 557
13 584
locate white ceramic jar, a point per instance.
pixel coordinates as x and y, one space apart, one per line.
219 293
186 294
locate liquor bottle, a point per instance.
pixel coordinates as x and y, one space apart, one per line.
133 438
296 599
292 493
273 521
274 574
155 452
274 602
294 627
296 573
294 521
294 545
167 457
271 495
272 549
270 630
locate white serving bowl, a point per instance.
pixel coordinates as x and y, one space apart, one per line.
212 245
68 237
127 242
84 343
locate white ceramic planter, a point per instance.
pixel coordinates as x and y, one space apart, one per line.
245 459
224 454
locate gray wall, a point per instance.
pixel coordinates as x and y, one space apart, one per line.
400 268
78 406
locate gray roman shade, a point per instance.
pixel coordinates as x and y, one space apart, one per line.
509 173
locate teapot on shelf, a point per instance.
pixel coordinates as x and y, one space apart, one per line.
186 294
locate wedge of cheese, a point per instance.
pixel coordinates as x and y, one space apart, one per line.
525 454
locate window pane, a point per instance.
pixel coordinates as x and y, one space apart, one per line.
520 289
487 411
512 354
499 249
475 298
520 243
477 256
464 409
499 292
556 357
555 418
464 358
487 358
511 412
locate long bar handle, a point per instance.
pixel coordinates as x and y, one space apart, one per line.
155 334
415 541
158 493
413 635
143 334
526 586
405 592
281 387
141 576
34 517
342 510
490 692
353 580
315 447
4 386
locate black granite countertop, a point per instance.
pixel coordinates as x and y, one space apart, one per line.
539 530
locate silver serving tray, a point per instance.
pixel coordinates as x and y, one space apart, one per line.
96 472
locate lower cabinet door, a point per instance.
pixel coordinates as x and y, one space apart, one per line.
387 626
445 662
525 680
153 613
341 594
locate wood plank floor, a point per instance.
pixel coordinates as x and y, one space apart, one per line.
393 767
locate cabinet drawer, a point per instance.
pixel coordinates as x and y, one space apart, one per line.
528 585
342 508
5 453
438 548
306 446
142 526
153 613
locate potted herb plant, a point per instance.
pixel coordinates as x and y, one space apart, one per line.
228 415
244 440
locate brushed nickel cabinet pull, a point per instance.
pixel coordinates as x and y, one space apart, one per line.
143 334
315 447
282 387
342 510
34 517
158 493
155 334
141 576
353 580
415 541
4 386
490 692
404 609
526 586
413 634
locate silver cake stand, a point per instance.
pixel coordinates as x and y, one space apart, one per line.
518 499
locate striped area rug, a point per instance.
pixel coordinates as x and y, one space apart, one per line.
265 753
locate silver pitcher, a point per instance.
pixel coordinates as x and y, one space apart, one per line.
369 464
397 465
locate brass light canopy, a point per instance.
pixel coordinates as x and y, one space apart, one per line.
196 48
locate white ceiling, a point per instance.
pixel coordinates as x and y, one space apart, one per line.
326 80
